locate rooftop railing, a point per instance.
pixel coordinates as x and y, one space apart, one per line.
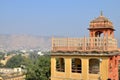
84 44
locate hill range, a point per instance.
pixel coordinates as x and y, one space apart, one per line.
18 42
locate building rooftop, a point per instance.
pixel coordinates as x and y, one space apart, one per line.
101 38
101 22
101 18
83 44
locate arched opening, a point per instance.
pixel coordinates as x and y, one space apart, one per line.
76 65
94 66
99 34
60 64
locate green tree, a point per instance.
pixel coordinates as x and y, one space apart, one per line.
2 55
15 61
39 70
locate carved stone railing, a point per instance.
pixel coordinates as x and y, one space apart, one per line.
84 44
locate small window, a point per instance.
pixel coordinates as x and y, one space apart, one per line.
94 66
60 64
76 65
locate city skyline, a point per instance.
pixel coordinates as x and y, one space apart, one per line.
51 17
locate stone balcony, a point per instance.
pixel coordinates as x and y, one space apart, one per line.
84 44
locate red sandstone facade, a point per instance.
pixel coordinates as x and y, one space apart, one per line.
114 64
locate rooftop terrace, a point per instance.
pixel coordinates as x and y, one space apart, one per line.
84 44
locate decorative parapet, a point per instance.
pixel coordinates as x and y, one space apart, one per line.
84 44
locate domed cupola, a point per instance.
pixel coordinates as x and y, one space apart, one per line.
101 25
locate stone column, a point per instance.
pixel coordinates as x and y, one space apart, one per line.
53 66
68 67
85 69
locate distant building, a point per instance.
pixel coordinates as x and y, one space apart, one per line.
6 58
94 58
40 53
13 77
12 74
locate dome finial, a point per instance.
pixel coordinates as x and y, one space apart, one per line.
101 14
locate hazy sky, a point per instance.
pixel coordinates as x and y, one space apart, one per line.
55 17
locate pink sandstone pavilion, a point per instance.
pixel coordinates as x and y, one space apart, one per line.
96 57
